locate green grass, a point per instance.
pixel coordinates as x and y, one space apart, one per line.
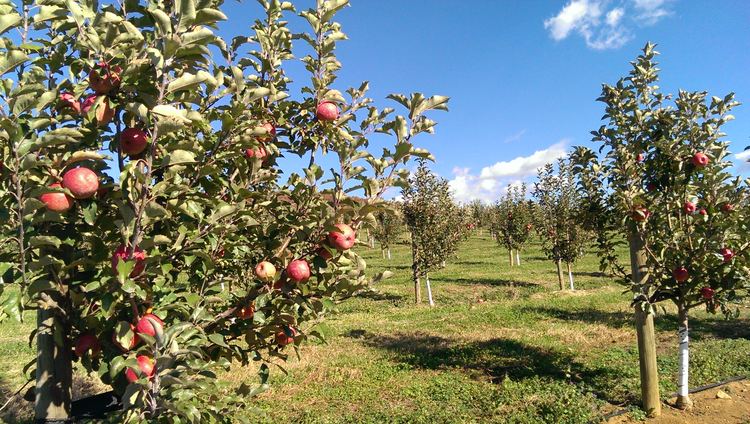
502 345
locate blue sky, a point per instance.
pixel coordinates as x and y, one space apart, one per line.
523 76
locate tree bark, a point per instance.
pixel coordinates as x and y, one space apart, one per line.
429 289
570 276
683 387
644 325
54 371
560 274
510 256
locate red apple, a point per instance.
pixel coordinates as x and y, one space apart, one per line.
680 274
82 182
640 157
298 271
727 207
270 132
265 271
703 212
67 100
104 112
146 367
327 111
85 343
640 213
102 79
727 254
650 187
122 254
133 141
690 208
707 293
133 342
286 336
149 325
259 153
700 160
342 238
56 202
246 312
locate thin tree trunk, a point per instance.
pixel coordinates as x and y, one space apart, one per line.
560 274
644 325
429 289
570 276
510 256
415 271
683 388
54 375
518 257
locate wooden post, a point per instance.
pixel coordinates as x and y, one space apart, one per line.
560 274
54 375
644 325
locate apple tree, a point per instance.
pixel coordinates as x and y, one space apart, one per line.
389 226
146 220
666 165
511 221
436 224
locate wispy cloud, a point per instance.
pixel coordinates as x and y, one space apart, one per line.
515 137
604 24
492 180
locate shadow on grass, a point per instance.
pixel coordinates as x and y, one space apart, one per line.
484 281
376 295
700 328
495 359
472 263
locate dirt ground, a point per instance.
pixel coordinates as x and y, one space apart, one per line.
708 408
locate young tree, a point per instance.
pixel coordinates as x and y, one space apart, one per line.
185 251
479 214
435 222
558 217
388 228
666 167
511 221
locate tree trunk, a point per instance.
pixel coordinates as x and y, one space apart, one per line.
382 253
429 289
518 257
644 325
415 271
510 256
570 276
560 274
683 388
54 375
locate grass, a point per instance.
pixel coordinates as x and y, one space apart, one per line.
502 345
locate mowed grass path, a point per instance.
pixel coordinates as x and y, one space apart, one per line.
502 345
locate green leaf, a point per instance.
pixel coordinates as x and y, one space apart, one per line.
218 339
188 81
179 157
9 20
38 241
12 59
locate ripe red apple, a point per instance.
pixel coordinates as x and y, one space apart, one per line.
680 274
246 312
342 238
104 112
133 342
727 254
146 367
133 141
67 100
82 182
85 343
700 160
727 207
122 254
690 208
259 153
286 336
640 213
265 271
640 157
149 324
56 202
102 79
707 293
327 111
298 271
703 212
270 132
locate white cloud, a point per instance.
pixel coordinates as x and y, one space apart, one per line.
492 180
743 156
515 137
601 25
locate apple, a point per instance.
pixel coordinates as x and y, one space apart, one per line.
270 132
327 111
104 112
342 238
707 293
146 366
700 160
56 202
133 342
82 182
703 212
102 79
680 274
259 153
640 157
298 271
286 336
640 213
727 207
85 343
690 208
265 271
67 100
133 141
149 325
122 254
246 312
727 254
651 187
